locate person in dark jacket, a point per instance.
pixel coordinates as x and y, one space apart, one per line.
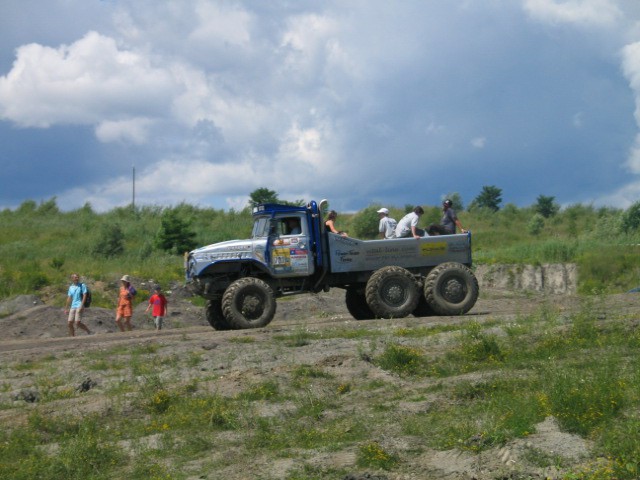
448 222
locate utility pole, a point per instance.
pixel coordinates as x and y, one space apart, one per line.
133 200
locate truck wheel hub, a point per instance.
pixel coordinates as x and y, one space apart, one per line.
394 294
251 306
453 291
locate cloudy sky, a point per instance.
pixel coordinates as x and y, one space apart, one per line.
357 101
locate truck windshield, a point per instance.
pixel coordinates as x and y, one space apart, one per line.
260 227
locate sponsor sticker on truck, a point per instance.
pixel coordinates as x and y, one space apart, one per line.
436 248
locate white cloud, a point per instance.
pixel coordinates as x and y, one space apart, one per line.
434 128
238 116
577 120
135 130
311 42
201 179
221 24
174 178
633 160
631 64
631 69
577 12
121 92
87 82
479 142
304 146
621 198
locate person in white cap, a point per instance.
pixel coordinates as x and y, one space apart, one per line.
387 226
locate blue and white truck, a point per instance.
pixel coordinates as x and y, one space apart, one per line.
241 279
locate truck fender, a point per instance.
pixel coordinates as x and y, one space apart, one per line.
228 266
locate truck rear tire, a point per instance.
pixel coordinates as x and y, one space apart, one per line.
215 317
357 304
451 289
248 303
392 292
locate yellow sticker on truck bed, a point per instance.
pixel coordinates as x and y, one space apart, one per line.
436 248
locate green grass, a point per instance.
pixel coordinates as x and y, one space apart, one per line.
403 360
373 455
41 246
530 368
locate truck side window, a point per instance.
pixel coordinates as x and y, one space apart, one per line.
291 226
261 228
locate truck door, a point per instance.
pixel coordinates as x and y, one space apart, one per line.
290 252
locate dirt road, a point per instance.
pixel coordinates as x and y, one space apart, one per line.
42 328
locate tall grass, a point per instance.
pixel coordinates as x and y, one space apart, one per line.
38 249
40 246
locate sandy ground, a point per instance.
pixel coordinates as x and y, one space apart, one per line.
36 331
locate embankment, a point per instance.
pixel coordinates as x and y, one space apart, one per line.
552 278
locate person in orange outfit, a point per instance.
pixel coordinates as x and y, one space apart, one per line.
125 304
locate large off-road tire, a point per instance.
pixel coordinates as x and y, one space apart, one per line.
392 292
357 304
451 289
248 303
215 317
423 309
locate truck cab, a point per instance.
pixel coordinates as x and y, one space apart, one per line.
284 244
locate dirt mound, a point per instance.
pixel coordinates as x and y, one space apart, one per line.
28 317
19 303
43 321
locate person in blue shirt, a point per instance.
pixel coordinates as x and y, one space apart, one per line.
76 296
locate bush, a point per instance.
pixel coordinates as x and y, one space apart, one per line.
175 234
536 224
50 207
490 198
631 218
365 223
546 206
110 242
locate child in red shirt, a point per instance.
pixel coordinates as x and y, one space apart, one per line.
159 303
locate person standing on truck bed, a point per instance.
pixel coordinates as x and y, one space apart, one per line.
448 222
408 225
387 225
330 223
